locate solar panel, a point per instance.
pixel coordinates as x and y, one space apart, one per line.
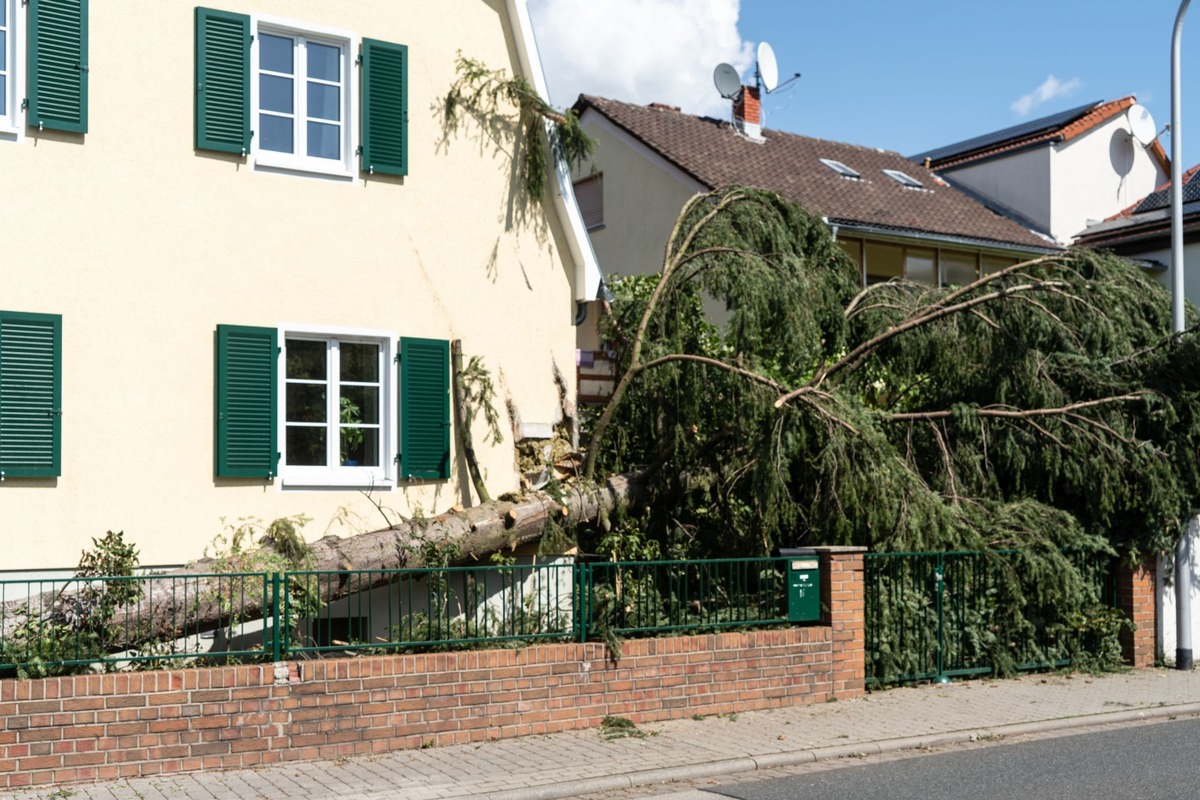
1162 198
1021 131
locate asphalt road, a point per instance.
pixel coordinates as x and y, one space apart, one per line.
1150 762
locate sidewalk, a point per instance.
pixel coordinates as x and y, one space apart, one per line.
581 762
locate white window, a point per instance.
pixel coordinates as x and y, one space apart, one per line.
338 404
841 169
10 66
303 98
589 193
903 178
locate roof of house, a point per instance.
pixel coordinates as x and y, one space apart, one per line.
1148 217
715 155
1061 127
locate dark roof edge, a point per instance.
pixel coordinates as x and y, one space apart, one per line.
585 102
1023 130
941 238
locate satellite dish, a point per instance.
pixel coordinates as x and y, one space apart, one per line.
728 82
1141 124
768 67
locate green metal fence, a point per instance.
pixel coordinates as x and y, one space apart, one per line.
649 597
932 616
54 626
61 626
422 608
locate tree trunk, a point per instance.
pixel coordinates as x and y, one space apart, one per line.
170 612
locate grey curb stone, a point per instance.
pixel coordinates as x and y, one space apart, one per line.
793 758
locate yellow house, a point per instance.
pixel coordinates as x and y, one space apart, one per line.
239 243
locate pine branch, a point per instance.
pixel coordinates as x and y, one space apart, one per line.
1004 413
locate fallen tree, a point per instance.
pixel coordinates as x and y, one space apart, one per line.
213 595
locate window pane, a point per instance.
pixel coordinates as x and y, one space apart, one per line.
275 94
306 360
360 362
276 133
958 269
360 447
3 43
323 140
884 261
3 99
918 266
324 101
324 62
306 402
360 404
306 446
275 53
996 263
3 13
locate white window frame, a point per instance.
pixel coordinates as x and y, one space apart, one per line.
849 173
298 162
904 179
382 477
12 121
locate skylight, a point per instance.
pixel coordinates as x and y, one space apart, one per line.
841 169
903 179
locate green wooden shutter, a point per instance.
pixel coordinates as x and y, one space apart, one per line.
384 107
222 81
30 395
246 428
424 409
58 56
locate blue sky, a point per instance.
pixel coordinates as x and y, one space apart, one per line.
907 76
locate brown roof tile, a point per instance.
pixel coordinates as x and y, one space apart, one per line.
715 155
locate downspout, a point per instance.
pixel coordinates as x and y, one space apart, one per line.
587 270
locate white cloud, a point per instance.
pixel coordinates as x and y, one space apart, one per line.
640 51
1050 89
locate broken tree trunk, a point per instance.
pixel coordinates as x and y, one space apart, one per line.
168 612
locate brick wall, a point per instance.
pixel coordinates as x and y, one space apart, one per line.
96 727
1136 597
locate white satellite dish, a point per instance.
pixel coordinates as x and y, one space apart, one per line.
1141 124
728 82
768 67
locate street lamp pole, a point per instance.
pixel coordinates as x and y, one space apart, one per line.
1183 549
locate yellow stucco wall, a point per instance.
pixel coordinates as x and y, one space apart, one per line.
145 245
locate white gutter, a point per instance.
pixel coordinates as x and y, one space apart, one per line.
587 269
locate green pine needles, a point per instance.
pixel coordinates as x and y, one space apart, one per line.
1043 408
539 129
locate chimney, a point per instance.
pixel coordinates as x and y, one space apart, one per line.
747 115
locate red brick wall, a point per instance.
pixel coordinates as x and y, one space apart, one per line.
1137 598
84 728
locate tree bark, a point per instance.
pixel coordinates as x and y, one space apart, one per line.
169 612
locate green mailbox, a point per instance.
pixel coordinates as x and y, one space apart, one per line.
804 584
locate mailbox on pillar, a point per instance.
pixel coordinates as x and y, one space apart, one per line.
803 583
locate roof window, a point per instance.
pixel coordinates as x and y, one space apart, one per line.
841 169
905 180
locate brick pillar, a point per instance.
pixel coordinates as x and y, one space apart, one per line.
1136 598
842 608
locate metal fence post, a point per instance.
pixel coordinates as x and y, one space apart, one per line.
583 581
940 581
276 634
